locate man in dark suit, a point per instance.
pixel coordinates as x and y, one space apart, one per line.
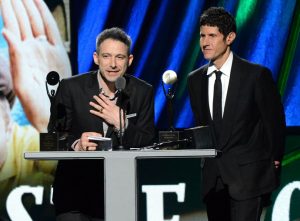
240 102
91 106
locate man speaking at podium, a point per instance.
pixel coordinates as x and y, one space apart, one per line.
91 104
239 100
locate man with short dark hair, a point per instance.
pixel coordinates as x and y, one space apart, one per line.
92 105
240 102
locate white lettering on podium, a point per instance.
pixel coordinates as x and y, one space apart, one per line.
14 205
281 208
154 200
51 195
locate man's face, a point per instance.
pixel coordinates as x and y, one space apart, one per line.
112 59
213 43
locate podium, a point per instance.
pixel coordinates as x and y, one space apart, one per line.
120 174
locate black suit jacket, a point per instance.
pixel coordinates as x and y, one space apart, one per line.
253 129
78 184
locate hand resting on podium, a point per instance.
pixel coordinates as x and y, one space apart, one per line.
86 144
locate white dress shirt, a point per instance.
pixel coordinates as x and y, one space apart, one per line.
225 77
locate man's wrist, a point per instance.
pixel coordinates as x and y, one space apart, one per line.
76 145
124 125
118 131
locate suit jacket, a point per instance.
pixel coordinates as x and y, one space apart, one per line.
78 184
253 129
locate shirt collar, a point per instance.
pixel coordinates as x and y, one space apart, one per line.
226 67
101 89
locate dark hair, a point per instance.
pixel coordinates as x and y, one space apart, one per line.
219 17
115 34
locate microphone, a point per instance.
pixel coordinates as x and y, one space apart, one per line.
169 77
52 79
120 85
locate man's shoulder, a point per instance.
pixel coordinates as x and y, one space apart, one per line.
79 80
198 72
81 76
137 82
250 66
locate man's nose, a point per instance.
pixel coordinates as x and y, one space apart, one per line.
204 42
113 63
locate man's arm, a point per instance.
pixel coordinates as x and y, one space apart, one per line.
272 113
192 94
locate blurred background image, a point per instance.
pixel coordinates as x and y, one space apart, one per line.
165 35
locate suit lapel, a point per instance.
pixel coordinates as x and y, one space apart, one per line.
231 100
204 98
91 88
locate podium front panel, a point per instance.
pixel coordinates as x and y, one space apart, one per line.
120 174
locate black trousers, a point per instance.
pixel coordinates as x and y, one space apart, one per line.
76 216
220 206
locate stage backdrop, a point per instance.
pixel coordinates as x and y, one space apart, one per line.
165 36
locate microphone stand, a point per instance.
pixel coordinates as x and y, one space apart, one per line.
120 85
170 95
120 147
171 136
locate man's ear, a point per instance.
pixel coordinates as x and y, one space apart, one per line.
130 59
230 38
95 56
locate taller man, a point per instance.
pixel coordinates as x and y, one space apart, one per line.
239 100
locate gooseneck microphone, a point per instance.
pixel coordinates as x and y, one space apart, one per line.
169 77
120 85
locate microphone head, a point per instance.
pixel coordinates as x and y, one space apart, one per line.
52 78
169 77
120 83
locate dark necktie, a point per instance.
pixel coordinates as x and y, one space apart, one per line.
217 104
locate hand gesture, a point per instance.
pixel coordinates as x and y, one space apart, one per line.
107 110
